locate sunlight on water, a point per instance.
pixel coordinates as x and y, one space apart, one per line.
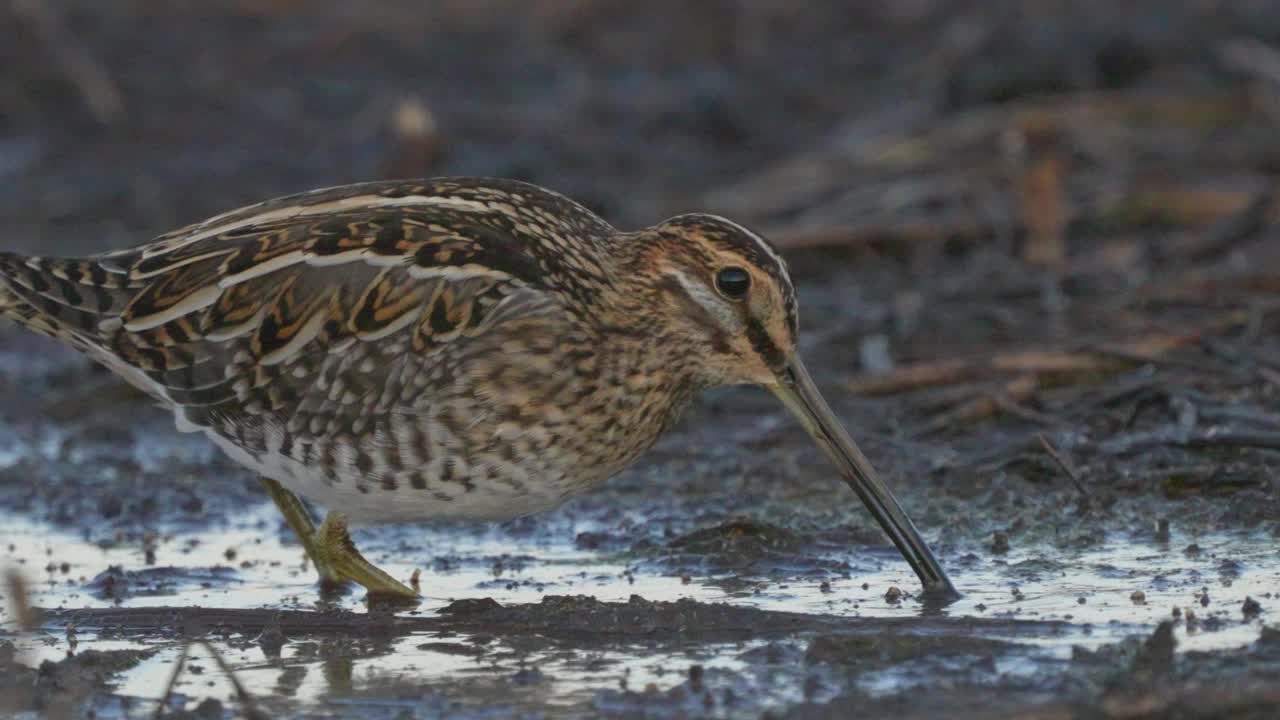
260 571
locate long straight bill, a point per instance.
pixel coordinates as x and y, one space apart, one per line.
796 390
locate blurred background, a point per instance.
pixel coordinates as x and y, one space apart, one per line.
889 121
1064 136
1035 246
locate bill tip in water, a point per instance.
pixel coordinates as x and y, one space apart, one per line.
939 592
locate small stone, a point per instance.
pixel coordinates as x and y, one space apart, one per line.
527 677
695 677
208 709
471 606
110 506
1251 608
1000 543
271 640
1162 530
1156 654
894 595
1138 597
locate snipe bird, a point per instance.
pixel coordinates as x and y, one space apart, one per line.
448 348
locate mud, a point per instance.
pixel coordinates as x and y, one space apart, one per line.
1105 498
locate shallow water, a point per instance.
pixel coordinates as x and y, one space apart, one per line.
246 565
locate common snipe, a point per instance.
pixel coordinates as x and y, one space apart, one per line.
447 348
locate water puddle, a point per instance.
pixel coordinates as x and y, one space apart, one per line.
1090 596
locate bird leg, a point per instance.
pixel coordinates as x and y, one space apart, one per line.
330 547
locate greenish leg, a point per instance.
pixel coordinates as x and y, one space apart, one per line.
330 547
299 519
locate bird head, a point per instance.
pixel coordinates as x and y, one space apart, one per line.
729 293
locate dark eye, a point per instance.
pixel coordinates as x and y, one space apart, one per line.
732 282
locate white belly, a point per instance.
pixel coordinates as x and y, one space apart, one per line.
487 501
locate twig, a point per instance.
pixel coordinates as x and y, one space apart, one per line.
990 404
246 700
25 616
1198 288
884 236
1253 57
1173 204
173 680
1236 227
1042 161
1049 366
1271 376
1063 464
1200 439
1256 59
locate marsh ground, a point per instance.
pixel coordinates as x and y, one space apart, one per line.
1036 250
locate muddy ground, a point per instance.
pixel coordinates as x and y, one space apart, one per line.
1036 249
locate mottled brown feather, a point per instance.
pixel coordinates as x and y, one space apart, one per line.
450 338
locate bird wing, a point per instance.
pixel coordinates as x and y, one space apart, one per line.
312 310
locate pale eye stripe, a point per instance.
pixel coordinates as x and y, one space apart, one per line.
714 305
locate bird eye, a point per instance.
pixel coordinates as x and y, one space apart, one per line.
732 282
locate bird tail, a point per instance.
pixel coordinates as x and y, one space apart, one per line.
12 306
9 302
66 299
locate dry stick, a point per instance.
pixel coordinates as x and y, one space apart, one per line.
1183 205
1200 439
173 680
1040 183
246 700
1237 227
883 234
1041 363
1063 464
986 405
24 615
96 87
1252 57
1196 287
1270 376
1186 206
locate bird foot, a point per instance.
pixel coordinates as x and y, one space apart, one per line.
331 550
337 560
